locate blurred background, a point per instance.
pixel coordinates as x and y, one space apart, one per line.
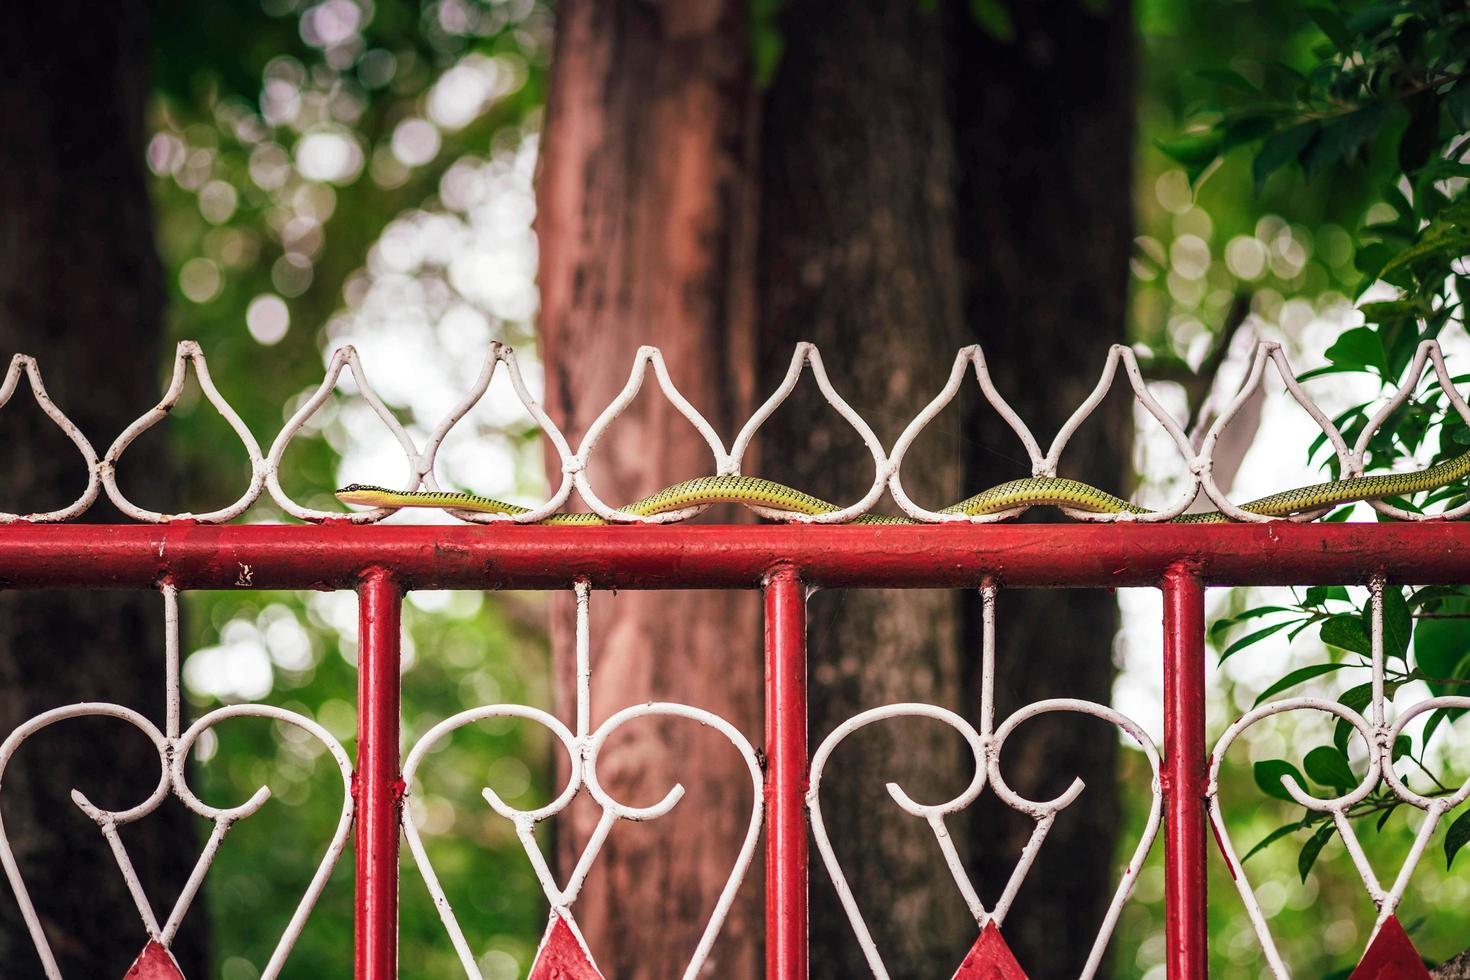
365 172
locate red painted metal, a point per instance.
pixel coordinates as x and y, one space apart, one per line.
990 959
712 556
1391 956
562 955
786 559
379 784
1183 775
154 963
786 775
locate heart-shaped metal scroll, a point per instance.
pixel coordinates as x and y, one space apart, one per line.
974 358
343 357
25 364
1268 352
986 745
806 354
189 352
576 466
1379 735
498 354
583 748
173 749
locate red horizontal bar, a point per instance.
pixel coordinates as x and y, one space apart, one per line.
335 556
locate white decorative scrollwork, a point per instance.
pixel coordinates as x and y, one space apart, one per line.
24 363
887 465
986 744
173 748
583 748
1378 734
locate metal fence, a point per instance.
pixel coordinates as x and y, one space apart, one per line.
174 552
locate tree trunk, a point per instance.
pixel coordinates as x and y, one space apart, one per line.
1045 137
81 289
645 228
890 235
857 254
925 186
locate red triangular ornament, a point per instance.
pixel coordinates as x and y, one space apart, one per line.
562 955
990 959
1391 956
154 963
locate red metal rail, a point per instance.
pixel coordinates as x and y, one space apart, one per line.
1183 775
786 768
712 556
383 562
379 784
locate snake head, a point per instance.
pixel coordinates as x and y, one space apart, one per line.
362 495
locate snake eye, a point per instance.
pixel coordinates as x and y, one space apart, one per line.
352 488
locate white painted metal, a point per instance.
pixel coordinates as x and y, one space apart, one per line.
986 745
583 748
173 749
887 465
24 363
1378 734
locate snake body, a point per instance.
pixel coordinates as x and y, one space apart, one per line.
1032 491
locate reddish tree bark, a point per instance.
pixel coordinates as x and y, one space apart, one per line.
645 223
921 186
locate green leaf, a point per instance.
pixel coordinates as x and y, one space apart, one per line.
1226 78
1383 817
1456 837
1331 23
1342 139
1397 623
1458 103
1318 595
1196 151
1447 243
1222 625
1373 18
1346 631
1245 129
1313 847
1271 838
1357 698
994 19
1268 776
1359 348
1251 638
1403 746
1389 309
1328 765
1296 677
1281 149
1442 646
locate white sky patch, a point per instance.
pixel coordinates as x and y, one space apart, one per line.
437 287
1276 460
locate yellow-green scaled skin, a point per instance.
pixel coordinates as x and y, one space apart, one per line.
1029 492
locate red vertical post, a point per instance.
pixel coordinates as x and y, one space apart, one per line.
378 784
786 776
1186 927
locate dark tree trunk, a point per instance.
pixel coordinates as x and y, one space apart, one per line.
925 186
890 236
645 230
857 254
1045 137
81 289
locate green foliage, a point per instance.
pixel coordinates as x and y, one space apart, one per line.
279 158
1335 116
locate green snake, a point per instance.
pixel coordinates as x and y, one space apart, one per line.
1033 491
